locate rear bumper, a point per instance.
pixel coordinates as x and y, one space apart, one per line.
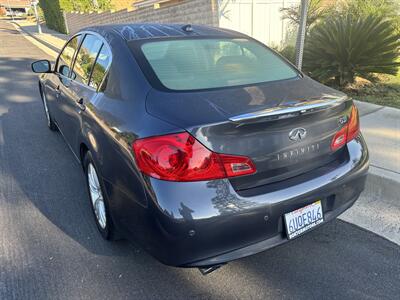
204 223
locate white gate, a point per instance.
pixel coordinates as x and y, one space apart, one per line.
261 19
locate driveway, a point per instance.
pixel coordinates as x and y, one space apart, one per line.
50 248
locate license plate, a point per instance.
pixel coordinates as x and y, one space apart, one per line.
303 219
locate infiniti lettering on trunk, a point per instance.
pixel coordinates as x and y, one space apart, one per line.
297 152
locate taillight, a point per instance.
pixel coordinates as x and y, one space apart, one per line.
339 139
180 157
353 124
348 132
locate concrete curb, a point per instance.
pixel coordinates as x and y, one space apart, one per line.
378 208
385 174
44 43
366 108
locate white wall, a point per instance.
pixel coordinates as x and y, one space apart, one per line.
260 19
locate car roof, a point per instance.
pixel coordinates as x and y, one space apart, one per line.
131 32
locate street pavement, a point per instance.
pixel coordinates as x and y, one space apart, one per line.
50 248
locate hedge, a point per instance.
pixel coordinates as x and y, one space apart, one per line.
53 14
53 10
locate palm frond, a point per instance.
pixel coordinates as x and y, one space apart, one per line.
348 46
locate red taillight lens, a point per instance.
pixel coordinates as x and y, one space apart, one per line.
180 157
339 139
237 165
348 132
353 124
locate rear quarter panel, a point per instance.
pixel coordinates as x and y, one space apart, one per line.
112 121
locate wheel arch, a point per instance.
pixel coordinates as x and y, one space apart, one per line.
83 149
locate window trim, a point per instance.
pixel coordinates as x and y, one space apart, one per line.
73 56
105 43
95 60
105 73
136 45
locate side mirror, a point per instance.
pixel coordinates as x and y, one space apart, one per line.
41 66
64 70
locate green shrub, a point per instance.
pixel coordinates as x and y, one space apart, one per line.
382 8
316 11
53 10
342 48
288 52
53 15
85 5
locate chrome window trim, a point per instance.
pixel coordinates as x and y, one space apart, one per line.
73 56
105 43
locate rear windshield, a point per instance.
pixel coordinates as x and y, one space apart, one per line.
192 64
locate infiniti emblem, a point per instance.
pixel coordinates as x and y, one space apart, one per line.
297 134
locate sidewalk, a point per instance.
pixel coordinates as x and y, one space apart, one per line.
380 126
49 38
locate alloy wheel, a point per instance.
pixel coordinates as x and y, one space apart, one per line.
96 196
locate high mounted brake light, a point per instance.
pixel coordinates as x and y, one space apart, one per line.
180 157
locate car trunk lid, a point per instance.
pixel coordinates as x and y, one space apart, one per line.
285 127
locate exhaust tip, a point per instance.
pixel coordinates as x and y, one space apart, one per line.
207 270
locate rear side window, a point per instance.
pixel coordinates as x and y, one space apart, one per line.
191 64
100 67
66 56
86 57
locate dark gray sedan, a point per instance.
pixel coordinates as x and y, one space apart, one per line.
199 143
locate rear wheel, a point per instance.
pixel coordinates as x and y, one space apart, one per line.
50 123
98 199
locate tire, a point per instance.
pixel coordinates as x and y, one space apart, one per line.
101 212
50 123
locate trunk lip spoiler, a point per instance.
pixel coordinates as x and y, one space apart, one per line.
299 108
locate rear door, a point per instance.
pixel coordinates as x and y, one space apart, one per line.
86 76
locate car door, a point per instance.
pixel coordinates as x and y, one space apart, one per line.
81 90
59 80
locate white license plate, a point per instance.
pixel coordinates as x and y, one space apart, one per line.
303 219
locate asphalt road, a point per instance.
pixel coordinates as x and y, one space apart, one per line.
50 249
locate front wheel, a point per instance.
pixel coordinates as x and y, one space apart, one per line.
97 199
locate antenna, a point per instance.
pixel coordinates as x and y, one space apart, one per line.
187 28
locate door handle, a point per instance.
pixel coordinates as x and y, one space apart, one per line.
81 103
58 91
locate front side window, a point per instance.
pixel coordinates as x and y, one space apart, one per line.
100 67
190 64
85 58
66 56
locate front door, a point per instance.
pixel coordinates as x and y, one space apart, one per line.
57 87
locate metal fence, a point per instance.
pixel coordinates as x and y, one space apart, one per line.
261 19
